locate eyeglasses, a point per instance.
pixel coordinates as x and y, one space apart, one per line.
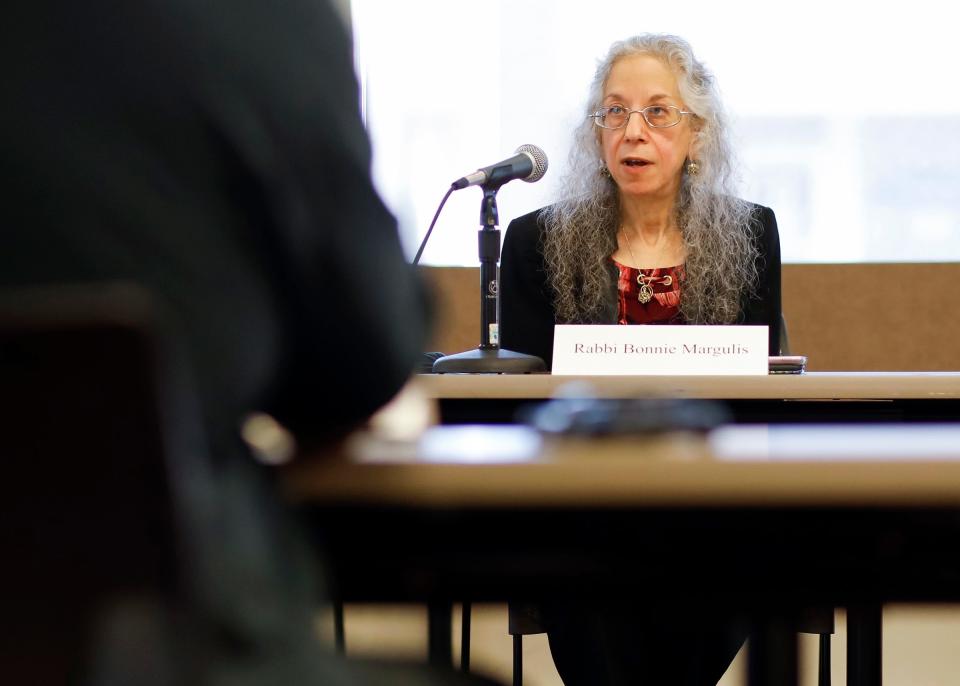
657 116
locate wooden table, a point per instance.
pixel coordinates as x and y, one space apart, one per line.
809 397
763 518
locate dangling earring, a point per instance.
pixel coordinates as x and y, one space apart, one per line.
604 172
693 168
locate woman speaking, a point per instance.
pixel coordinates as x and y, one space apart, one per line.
647 228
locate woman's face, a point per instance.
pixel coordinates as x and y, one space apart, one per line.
645 162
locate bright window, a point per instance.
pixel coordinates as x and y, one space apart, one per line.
846 117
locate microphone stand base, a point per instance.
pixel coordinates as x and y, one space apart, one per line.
489 361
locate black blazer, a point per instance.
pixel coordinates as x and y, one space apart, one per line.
527 317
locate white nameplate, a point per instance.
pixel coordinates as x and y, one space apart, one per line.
662 350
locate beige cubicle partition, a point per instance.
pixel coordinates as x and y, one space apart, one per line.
849 317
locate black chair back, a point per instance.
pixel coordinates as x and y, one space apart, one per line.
89 524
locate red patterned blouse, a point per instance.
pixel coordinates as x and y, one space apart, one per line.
649 296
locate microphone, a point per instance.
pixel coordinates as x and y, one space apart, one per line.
529 164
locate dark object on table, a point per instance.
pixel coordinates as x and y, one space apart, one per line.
788 364
425 365
607 416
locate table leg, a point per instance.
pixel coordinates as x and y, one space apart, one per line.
517 660
440 633
465 638
865 645
339 635
823 663
772 654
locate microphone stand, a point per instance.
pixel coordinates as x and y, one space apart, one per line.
489 357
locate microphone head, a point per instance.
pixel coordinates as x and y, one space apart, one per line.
539 158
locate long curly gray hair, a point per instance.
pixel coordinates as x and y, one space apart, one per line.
717 228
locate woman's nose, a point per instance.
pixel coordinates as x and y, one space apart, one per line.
636 128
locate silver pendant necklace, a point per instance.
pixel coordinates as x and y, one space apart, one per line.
645 293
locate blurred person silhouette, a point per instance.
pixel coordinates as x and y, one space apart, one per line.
213 154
